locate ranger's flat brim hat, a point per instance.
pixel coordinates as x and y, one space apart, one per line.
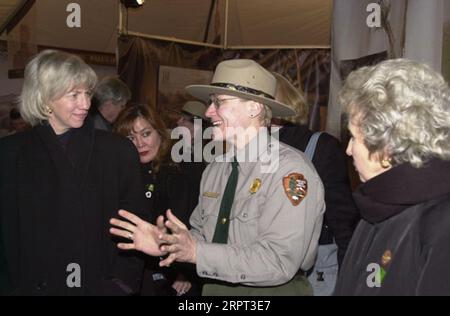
243 78
195 108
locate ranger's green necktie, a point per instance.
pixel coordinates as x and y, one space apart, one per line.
223 220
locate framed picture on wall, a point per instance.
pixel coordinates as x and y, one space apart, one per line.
7 103
171 92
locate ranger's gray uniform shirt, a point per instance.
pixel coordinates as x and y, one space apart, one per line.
269 238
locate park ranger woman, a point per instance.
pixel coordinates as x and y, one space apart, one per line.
255 229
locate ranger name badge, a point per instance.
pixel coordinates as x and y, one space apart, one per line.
213 195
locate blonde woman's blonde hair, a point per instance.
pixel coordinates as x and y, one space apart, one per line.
287 94
48 76
266 116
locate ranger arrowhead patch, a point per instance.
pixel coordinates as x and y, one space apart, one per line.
295 187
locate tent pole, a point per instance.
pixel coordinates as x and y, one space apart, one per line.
225 36
17 15
173 39
280 47
211 9
121 24
177 40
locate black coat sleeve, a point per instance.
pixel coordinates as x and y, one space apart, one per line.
128 266
4 271
341 214
434 252
182 195
175 191
9 148
433 278
4 277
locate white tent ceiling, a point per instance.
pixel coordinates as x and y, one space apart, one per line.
262 23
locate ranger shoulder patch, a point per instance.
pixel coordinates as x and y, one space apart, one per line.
295 187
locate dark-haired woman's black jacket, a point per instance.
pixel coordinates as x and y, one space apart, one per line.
169 188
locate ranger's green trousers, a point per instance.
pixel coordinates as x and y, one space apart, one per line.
298 286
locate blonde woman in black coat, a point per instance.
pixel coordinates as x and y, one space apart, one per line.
60 182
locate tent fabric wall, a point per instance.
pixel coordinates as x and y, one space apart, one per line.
303 23
424 32
446 42
264 23
261 23
98 32
416 33
140 59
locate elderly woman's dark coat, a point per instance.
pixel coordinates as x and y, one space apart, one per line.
4 273
402 244
57 196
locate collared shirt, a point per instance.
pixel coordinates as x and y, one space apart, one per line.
101 123
269 237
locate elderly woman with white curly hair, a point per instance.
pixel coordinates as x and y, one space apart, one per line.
399 120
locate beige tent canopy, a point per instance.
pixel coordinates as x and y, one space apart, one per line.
227 23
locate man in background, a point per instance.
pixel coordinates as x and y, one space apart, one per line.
110 96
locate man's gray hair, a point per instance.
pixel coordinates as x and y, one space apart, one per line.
112 89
